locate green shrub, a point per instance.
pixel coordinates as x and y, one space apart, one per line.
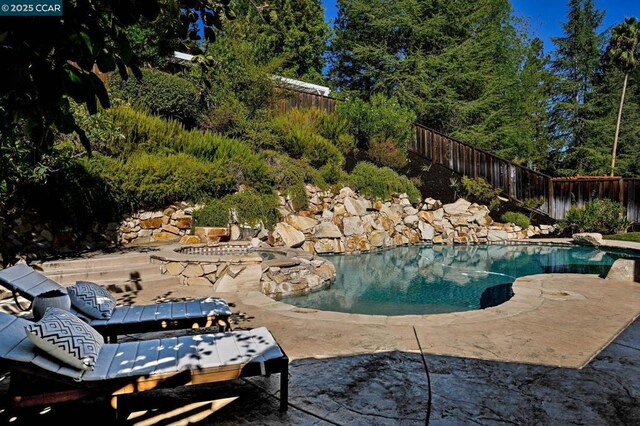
517 218
480 191
247 207
603 216
298 196
381 117
287 172
386 153
381 182
336 129
145 132
164 94
300 137
147 180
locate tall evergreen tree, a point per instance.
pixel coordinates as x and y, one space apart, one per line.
530 112
294 30
463 66
576 62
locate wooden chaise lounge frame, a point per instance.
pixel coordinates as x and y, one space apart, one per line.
36 379
23 280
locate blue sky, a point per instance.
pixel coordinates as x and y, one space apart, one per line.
546 16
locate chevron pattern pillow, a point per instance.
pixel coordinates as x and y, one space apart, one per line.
67 338
92 299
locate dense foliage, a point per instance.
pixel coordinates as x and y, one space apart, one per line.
245 207
480 191
163 94
603 216
381 182
517 218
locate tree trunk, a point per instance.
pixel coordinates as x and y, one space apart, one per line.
615 139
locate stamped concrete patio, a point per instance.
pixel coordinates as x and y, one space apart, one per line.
564 350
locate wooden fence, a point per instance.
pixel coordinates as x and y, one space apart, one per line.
520 183
289 99
516 182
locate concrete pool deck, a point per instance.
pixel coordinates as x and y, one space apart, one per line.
546 356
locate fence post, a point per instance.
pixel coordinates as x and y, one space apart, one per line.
550 197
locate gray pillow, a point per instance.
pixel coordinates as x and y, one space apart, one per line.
67 338
92 299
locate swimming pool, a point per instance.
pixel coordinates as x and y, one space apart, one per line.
444 278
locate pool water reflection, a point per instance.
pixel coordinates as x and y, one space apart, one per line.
437 279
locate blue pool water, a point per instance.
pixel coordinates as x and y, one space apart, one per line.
436 279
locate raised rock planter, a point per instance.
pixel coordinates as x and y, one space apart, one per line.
291 272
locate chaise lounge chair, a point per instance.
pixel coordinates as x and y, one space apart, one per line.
23 280
39 378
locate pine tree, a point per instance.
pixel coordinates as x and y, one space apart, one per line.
576 62
464 67
293 30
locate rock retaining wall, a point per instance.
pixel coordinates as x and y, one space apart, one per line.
349 223
170 224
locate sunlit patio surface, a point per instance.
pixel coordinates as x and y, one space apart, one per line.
564 349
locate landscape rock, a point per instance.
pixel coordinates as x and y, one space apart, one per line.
352 226
588 239
458 207
327 230
290 236
625 270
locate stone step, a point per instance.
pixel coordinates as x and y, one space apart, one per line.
95 262
123 272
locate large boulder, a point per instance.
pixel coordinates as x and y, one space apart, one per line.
427 232
378 238
496 235
354 207
625 270
459 207
394 212
327 230
301 223
352 226
290 236
588 239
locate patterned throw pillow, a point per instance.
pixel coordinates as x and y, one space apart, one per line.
67 338
92 299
